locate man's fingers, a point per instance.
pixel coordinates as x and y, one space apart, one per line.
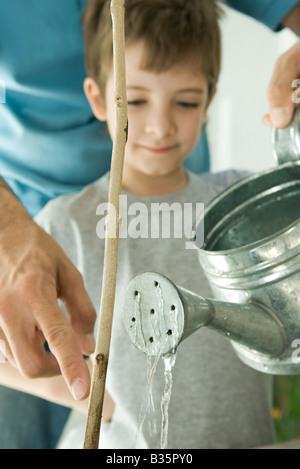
5 351
24 349
26 352
78 306
65 348
267 120
280 90
280 99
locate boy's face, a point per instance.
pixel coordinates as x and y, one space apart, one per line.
165 115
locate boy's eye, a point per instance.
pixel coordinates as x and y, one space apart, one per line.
187 105
136 102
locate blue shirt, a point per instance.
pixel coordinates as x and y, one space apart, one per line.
50 142
268 12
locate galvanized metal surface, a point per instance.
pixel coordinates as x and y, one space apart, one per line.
159 315
251 251
286 142
265 271
153 314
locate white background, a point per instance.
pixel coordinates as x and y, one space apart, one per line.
237 136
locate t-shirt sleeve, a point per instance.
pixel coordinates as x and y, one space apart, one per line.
55 219
48 218
268 12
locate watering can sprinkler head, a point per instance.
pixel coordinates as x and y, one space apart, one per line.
159 315
154 314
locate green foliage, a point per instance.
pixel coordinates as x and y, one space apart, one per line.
286 411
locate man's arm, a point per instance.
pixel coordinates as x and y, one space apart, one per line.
34 273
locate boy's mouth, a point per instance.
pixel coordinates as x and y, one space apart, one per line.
159 150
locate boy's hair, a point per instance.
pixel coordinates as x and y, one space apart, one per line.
173 31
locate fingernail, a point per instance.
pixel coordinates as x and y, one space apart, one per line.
78 389
90 342
280 116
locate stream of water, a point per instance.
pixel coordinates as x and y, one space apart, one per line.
148 409
169 362
157 322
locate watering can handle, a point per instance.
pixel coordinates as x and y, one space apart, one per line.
286 141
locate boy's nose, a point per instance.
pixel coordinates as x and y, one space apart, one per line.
160 124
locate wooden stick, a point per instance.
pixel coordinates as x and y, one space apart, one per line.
92 432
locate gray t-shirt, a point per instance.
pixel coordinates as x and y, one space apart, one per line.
216 400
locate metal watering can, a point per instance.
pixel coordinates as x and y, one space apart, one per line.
251 257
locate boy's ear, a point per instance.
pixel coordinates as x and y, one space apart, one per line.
95 98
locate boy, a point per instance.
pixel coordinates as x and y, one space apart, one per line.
172 66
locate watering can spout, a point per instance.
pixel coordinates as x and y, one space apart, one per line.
159 315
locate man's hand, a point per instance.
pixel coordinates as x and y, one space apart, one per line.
280 90
286 71
34 273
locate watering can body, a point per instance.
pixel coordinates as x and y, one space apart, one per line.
251 258
251 255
